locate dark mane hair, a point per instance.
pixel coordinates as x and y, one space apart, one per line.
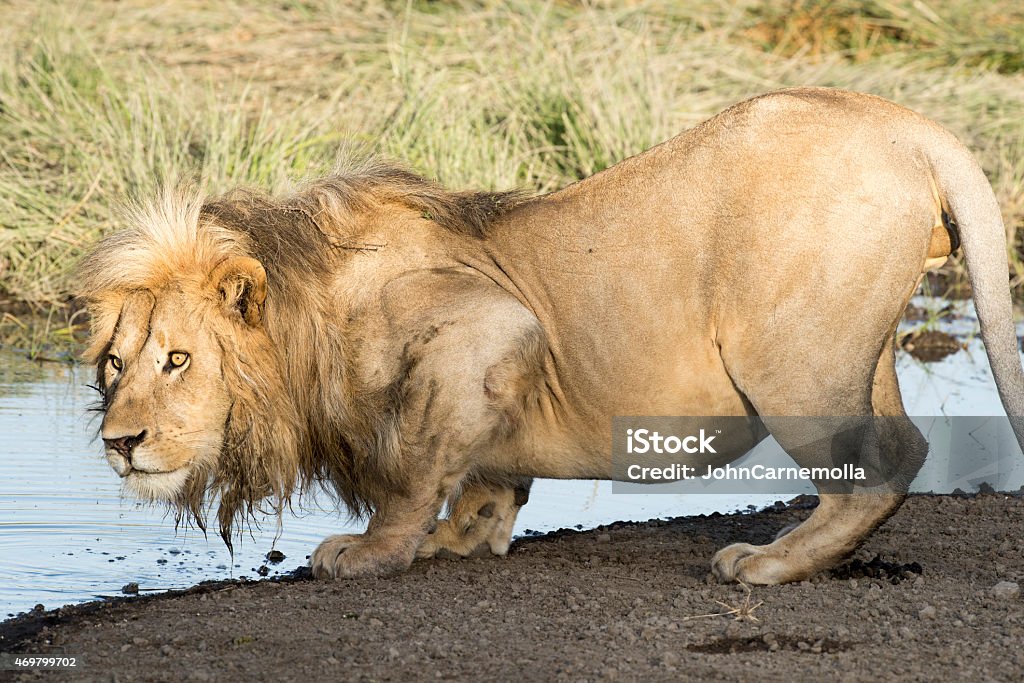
331 202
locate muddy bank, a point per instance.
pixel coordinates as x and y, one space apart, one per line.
930 595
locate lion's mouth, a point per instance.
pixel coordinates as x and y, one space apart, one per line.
135 471
155 484
125 467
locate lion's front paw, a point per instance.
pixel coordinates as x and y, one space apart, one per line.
357 555
750 564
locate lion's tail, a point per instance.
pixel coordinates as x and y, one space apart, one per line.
975 211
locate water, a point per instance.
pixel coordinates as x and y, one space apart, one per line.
66 534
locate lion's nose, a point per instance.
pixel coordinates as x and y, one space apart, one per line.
125 444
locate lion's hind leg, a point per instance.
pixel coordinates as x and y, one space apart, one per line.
883 441
479 521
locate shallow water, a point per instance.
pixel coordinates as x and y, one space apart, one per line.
66 535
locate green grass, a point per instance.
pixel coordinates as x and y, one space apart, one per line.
100 101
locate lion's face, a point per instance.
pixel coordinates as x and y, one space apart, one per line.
166 399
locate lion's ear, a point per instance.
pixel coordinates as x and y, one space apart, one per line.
242 284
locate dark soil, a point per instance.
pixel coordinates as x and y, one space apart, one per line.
931 596
931 345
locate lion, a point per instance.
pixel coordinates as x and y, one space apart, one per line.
416 349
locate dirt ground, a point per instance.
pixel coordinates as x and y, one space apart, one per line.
931 596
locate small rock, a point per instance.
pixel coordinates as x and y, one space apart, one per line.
669 659
139 641
130 588
275 556
167 650
126 647
1006 590
926 612
604 538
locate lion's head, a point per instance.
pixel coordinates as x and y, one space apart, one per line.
193 399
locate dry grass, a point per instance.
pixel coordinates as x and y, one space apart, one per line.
103 100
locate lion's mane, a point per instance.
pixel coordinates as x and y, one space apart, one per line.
293 421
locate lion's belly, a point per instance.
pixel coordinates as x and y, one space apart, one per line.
569 433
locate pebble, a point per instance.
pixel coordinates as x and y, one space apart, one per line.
1006 590
604 538
130 588
669 659
926 612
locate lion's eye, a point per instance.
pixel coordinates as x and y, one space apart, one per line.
177 359
115 362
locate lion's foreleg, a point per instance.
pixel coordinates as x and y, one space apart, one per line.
469 368
395 531
479 522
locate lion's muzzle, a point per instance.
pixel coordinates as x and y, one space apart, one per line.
119 451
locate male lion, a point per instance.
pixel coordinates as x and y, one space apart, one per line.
413 346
